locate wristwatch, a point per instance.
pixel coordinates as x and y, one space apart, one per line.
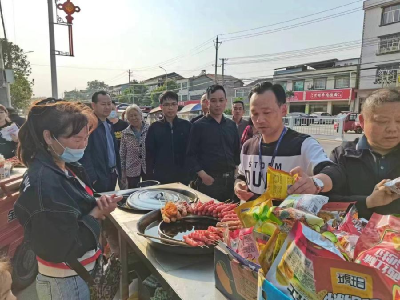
318 184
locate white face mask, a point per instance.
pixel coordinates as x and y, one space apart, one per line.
113 115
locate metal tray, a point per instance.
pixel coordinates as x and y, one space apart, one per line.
150 224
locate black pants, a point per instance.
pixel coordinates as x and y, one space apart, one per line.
110 184
221 189
134 181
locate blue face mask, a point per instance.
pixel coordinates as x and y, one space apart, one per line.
113 115
71 155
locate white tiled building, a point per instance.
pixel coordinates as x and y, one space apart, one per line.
380 55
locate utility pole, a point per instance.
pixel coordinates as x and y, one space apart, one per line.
216 59
53 68
129 74
223 70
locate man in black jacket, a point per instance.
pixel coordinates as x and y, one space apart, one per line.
101 160
166 144
205 108
214 149
372 158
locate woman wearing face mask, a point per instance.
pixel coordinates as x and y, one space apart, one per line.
56 204
133 150
118 124
7 148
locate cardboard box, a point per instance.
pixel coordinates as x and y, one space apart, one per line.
232 278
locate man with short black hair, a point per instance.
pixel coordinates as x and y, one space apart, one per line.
238 112
281 148
166 144
214 149
205 108
372 158
101 159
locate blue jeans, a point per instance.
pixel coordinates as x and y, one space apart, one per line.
68 288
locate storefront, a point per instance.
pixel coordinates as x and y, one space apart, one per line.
330 101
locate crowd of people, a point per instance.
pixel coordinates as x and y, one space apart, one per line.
72 152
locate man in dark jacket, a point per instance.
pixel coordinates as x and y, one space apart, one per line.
166 144
373 157
205 108
101 160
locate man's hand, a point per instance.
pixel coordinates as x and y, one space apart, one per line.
381 195
242 192
205 178
303 184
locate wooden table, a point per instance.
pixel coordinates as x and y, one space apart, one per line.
190 277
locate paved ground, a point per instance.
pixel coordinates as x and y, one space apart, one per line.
327 142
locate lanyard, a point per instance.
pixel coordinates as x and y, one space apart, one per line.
273 155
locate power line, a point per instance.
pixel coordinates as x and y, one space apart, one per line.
306 16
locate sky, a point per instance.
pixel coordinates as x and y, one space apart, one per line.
111 37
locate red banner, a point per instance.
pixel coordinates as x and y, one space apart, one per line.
323 95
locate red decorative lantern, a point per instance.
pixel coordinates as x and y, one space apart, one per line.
69 8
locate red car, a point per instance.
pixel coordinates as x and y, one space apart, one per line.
351 123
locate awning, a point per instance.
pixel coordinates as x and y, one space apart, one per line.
154 110
190 108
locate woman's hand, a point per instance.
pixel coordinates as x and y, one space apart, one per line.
105 205
381 195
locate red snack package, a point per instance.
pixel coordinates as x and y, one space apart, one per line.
351 223
243 242
379 247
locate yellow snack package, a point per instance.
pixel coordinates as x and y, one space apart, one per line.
249 212
278 183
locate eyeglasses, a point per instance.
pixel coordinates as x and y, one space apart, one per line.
170 104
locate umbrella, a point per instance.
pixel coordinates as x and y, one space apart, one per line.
190 108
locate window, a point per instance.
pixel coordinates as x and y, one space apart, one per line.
184 98
298 85
320 84
241 93
386 75
391 14
184 85
389 44
342 82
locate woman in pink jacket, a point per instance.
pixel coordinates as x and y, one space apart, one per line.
133 147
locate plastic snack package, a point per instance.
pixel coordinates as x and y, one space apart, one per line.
344 241
243 243
249 212
292 271
394 185
286 217
351 223
306 202
278 183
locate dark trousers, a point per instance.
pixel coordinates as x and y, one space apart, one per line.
134 181
221 189
110 186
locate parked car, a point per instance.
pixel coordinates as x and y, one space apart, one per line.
322 118
299 119
351 123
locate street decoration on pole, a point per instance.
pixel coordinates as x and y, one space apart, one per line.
69 8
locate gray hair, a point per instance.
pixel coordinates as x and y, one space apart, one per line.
380 97
133 107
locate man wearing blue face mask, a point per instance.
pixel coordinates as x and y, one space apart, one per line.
101 159
117 124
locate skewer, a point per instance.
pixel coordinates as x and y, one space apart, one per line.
167 240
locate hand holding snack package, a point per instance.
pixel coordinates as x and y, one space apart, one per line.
292 272
278 183
394 185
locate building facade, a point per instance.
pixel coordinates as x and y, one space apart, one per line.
326 86
380 54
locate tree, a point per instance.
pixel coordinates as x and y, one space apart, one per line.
136 93
21 92
155 94
96 85
15 59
